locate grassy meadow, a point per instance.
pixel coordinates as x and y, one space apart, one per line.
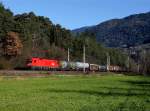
75 93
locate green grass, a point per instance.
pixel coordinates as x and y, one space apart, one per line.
75 93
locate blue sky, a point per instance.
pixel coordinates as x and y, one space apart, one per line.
77 13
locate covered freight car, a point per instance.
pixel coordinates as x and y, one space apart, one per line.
103 68
94 67
114 68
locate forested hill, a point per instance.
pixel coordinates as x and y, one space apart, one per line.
28 35
130 31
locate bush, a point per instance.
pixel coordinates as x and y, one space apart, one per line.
5 64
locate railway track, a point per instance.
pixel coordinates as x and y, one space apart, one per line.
36 73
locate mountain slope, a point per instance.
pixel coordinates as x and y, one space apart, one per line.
129 31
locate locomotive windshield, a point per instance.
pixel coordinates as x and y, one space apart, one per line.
28 62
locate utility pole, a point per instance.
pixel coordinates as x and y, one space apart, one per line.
144 64
138 62
128 63
68 55
138 67
84 58
108 61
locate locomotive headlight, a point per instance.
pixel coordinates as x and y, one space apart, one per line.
53 64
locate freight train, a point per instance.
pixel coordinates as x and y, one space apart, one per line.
57 65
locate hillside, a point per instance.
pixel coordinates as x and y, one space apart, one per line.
129 31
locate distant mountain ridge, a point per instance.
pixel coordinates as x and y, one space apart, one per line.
82 29
129 31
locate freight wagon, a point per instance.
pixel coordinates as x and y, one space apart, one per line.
114 68
76 66
80 66
94 67
103 68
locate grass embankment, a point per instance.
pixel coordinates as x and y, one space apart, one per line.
75 93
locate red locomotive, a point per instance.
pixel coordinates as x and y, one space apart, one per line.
39 63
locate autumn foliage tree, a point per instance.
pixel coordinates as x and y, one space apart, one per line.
12 44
